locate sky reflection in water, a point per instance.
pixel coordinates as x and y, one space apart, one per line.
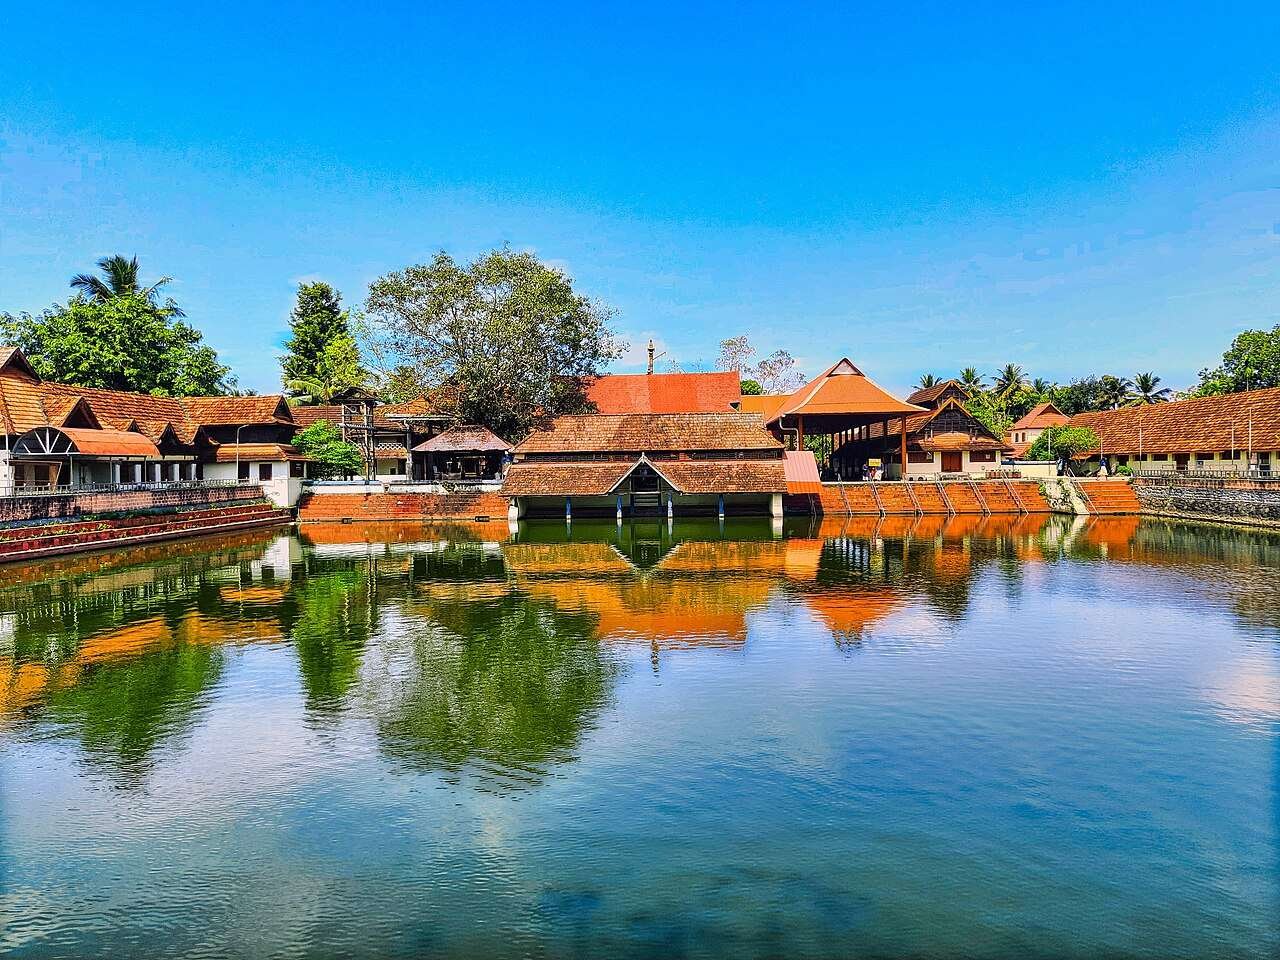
979 737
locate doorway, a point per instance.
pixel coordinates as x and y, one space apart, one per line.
951 462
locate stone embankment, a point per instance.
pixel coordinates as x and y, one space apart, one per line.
330 507
1215 499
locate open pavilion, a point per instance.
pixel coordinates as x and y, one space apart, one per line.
842 405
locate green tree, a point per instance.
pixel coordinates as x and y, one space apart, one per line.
1009 380
125 342
337 373
331 456
1147 389
1251 363
1114 392
121 280
972 380
751 388
1062 443
988 410
316 321
926 381
1079 396
509 335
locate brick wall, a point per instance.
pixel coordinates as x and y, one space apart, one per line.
61 506
1202 498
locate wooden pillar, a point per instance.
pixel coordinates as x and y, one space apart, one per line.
799 433
902 451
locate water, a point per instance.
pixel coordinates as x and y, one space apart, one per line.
981 738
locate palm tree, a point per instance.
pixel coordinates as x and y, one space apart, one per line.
1147 389
1009 380
1114 392
927 380
1041 386
971 380
122 281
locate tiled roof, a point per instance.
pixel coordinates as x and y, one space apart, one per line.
764 405
232 411
1040 416
842 389
306 416
227 452
563 479
724 476
469 437
928 396
636 433
438 404
983 439
1232 421
110 443
665 392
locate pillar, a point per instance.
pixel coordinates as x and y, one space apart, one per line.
670 506
513 508
720 506
799 433
619 508
568 509
775 505
902 451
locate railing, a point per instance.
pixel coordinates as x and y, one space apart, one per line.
1192 473
64 490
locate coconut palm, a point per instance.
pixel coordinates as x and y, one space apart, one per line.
122 281
1147 389
1041 386
1009 380
927 380
1114 392
971 380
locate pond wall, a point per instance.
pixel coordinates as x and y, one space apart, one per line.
1221 500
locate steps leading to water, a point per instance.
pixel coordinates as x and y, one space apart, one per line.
1110 496
893 498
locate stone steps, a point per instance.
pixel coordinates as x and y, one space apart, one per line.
328 507
1111 496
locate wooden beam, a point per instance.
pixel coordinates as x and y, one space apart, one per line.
902 448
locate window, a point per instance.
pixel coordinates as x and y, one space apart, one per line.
1229 455
242 473
297 468
982 456
919 456
264 471
1161 457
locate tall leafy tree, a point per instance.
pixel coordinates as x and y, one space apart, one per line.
337 373
1009 380
926 381
120 279
1251 363
508 334
736 353
316 321
126 342
1147 389
1114 392
972 380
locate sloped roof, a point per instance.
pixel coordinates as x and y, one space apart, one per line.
724 476
917 424
438 404
842 389
636 433
1232 421
468 437
585 479
231 452
927 396
229 411
306 416
801 470
665 392
110 443
765 405
1040 416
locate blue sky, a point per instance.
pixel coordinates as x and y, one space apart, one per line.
1074 190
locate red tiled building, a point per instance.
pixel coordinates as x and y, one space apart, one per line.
1028 429
665 392
615 464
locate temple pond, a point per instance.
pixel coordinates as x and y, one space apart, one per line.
1033 736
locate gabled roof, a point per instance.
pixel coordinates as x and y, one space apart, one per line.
842 389
665 392
1040 416
1232 421
928 396
918 425
231 452
538 478
637 433
14 360
466 437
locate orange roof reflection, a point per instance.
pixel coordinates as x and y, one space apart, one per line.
851 613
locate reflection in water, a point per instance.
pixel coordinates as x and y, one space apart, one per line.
683 675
